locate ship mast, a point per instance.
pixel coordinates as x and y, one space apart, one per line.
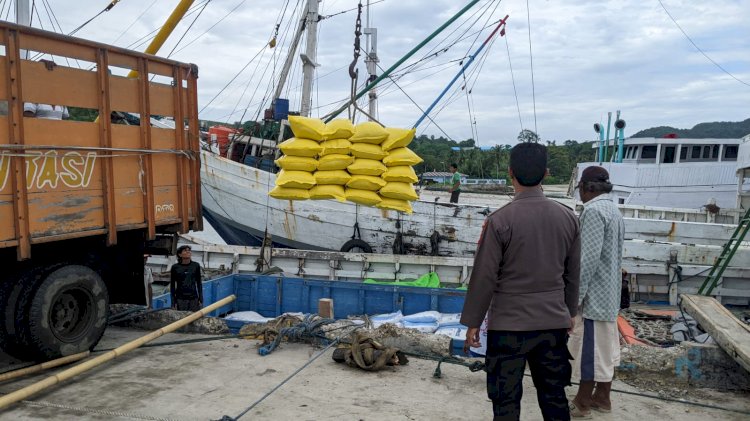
309 24
23 17
371 61
308 58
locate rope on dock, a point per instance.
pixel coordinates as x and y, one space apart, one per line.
87 410
297 371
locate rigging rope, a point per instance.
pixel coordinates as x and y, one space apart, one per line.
106 9
513 79
211 27
233 78
134 22
531 58
698 48
346 11
189 27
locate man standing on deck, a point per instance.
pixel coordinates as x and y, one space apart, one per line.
595 341
455 188
526 273
186 285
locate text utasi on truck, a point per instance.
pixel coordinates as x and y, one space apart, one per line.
82 201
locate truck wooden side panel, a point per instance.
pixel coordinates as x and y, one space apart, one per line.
62 179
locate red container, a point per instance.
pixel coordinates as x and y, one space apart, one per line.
222 137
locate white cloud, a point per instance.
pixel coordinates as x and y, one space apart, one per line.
589 58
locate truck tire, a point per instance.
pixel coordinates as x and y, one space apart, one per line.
355 243
68 312
9 291
15 299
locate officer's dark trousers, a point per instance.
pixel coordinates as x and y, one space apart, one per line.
547 354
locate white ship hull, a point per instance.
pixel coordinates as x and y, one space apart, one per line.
236 201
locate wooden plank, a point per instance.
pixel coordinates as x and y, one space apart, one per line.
4 89
125 94
56 46
731 334
59 85
179 133
16 134
194 145
678 232
162 100
105 139
148 177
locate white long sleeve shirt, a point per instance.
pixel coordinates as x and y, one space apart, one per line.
602 238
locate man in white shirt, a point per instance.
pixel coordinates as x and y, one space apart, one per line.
50 112
595 340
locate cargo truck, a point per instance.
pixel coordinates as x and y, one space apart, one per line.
81 202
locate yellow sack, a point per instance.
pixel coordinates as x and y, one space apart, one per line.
297 163
398 190
307 128
398 138
402 156
334 162
339 129
336 146
394 204
300 147
363 197
328 192
403 173
337 177
368 151
366 167
369 132
366 182
295 179
289 194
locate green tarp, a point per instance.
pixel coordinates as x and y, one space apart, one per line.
429 280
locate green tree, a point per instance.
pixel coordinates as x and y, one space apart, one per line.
527 135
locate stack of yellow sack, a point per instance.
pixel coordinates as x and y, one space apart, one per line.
367 164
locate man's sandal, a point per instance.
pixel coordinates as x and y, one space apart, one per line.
576 412
596 407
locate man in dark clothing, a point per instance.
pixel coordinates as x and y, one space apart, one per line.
526 273
455 188
186 285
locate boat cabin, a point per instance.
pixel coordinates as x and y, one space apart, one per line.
672 172
673 151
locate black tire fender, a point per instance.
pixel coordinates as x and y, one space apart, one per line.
68 312
355 243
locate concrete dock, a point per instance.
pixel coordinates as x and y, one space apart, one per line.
203 381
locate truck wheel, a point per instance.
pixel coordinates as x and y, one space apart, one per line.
68 313
15 298
9 292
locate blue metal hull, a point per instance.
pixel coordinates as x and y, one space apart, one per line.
273 296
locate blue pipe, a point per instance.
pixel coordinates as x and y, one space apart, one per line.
460 72
606 145
600 158
617 139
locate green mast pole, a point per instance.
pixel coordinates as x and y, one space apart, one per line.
402 60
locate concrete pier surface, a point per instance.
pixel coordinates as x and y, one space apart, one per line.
206 380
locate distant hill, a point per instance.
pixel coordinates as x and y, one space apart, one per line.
717 130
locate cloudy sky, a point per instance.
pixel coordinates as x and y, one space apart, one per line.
589 57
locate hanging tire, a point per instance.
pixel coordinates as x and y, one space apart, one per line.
352 245
68 312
